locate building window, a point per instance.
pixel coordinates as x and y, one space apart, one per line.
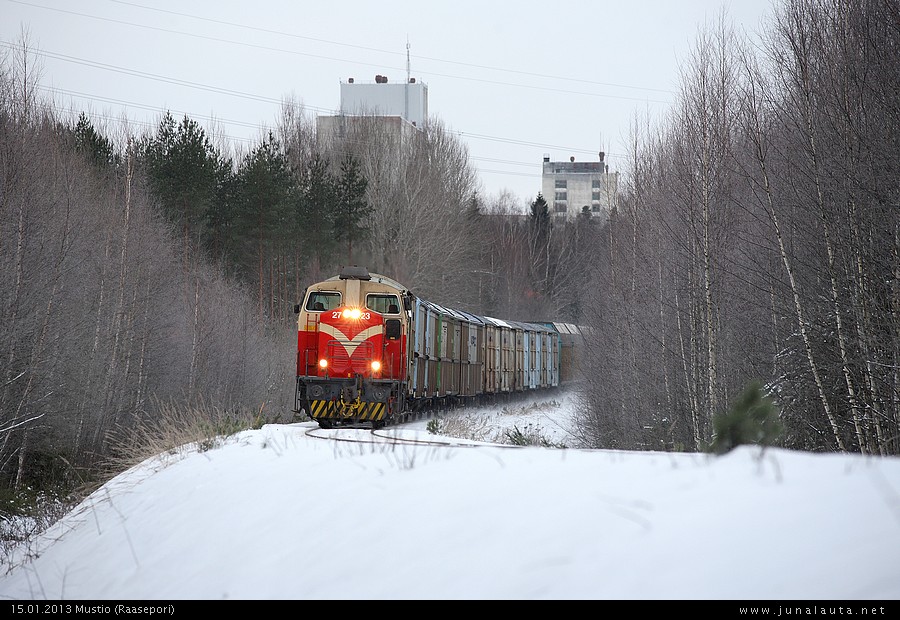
560 184
596 184
560 196
559 207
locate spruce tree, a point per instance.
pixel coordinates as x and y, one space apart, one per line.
539 215
539 234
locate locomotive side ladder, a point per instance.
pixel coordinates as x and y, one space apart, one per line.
309 350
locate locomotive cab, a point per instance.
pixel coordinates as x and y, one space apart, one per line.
351 351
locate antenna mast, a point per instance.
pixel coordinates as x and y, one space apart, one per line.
406 87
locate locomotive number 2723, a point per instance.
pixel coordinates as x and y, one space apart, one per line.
362 315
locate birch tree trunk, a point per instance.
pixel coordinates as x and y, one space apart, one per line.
752 117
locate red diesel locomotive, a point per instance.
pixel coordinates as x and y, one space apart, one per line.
371 353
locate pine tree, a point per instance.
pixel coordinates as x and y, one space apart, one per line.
317 210
752 420
265 192
352 208
187 175
96 146
221 214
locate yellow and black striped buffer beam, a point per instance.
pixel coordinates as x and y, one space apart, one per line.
335 409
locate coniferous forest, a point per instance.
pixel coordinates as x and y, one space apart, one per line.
148 276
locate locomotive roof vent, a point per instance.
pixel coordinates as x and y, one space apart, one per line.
355 273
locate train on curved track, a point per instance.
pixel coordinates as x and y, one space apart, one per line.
370 353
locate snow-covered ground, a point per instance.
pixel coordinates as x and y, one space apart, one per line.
540 419
276 513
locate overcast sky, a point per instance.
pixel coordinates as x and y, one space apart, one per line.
514 79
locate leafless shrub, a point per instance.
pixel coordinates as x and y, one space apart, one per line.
178 428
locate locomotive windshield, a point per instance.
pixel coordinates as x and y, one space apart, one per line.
383 304
322 300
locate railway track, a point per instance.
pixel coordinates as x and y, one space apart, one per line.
396 435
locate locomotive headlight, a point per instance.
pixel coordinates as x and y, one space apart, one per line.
323 363
354 313
376 365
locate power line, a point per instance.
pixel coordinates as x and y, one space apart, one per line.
158 78
74 112
121 102
252 96
205 87
373 49
322 57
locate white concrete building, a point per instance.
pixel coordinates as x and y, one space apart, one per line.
572 187
394 110
407 99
